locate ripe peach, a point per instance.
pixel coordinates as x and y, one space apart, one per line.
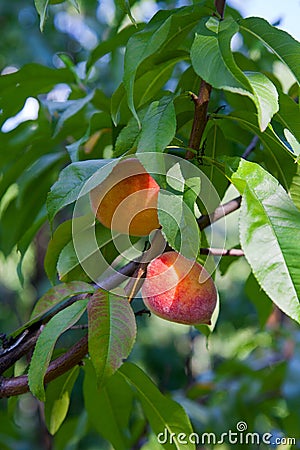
179 290
126 201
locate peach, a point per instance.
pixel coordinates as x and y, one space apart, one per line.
179 290
126 201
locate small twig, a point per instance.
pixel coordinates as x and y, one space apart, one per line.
200 117
82 326
220 7
201 102
222 251
250 147
141 312
221 211
8 359
157 246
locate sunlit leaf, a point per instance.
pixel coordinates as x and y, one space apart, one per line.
158 126
179 225
41 357
212 45
72 180
270 235
286 48
41 7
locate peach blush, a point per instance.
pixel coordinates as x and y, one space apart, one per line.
178 290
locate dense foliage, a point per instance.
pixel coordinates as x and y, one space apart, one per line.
208 102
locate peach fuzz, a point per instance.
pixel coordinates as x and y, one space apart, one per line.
179 290
126 201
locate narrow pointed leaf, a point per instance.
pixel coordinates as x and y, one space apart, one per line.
71 181
74 108
59 293
212 45
158 126
164 414
280 42
270 235
41 7
265 97
41 357
53 300
179 225
59 239
58 395
289 115
112 331
115 398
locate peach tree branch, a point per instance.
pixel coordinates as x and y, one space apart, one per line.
201 102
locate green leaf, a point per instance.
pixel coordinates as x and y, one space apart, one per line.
212 45
79 231
115 398
129 136
165 30
154 73
41 7
28 205
270 235
286 48
69 266
58 395
215 146
295 145
118 40
72 180
265 97
89 251
112 330
27 238
43 350
289 115
58 241
57 294
179 225
74 108
76 5
158 126
151 77
295 188
164 414
124 5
